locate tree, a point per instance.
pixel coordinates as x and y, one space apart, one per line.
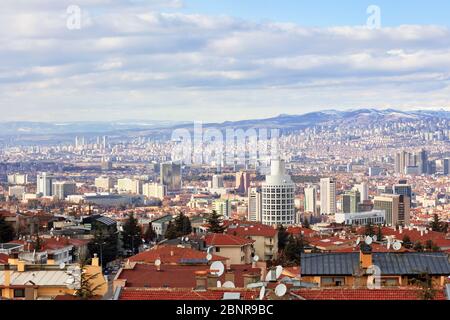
105 244
150 234
306 223
283 237
407 241
418 246
369 231
426 288
438 225
171 231
38 243
86 288
293 250
131 234
215 223
182 225
6 231
379 233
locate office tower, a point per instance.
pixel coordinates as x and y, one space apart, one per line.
129 185
396 207
63 189
402 188
363 189
278 196
222 207
327 196
106 165
242 182
255 204
16 192
170 176
431 167
17 179
350 201
44 184
104 142
217 181
446 166
422 158
154 190
310 199
402 161
103 184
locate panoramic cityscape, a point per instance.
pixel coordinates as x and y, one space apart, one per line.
204 171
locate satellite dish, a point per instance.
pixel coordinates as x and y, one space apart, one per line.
256 258
374 238
229 284
157 262
219 284
271 276
255 285
368 240
208 256
217 268
62 265
262 293
397 246
280 290
186 239
278 271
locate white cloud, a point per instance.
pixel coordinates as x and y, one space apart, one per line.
130 55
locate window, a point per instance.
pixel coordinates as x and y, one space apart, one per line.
19 293
217 249
332 281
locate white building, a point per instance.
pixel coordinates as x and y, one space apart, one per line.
222 207
361 218
327 196
104 184
154 190
128 185
254 208
44 184
363 189
17 178
310 199
17 192
278 196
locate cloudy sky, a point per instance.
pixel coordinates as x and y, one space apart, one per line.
216 60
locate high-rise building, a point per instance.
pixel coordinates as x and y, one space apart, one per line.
222 207
129 185
217 181
446 166
103 184
350 201
431 167
242 181
254 204
170 176
403 160
17 179
402 188
422 161
44 184
396 207
278 196
154 190
310 199
327 196
363 189
62 189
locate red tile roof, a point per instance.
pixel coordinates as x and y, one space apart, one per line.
176 276
181 294
3 258
363 294
219 239
247 229
171 255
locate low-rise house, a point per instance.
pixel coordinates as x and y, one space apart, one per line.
238 249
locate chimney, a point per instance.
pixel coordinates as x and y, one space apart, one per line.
13 258
50 259
95 261
250 278
228 264
21 266
171 253
229 276
212 280
365 256
200 280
